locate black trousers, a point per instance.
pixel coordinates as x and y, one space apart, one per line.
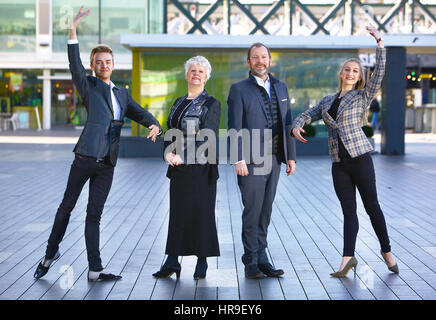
347 175
100 181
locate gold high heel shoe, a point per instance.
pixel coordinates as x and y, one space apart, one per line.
394 268
343 273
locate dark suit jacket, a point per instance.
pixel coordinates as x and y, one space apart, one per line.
248 111
101 135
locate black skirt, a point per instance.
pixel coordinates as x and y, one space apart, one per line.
192 227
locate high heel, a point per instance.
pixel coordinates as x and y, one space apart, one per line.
168 271
200 270
394 268
352 263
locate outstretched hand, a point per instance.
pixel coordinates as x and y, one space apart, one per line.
374 32
297 134
79 17
154 132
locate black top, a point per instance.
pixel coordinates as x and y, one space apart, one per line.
179 113
333 112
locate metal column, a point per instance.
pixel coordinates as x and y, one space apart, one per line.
394 102
46 100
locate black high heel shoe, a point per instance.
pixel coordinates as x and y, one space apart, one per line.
168 271
200 270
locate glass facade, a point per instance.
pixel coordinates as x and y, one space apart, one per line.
121 17
309 75
17 25
63 11
20 87
107 20
67 105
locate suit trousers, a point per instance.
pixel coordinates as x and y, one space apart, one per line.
347 175
258 192
100 176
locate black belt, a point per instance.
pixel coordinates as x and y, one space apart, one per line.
98 160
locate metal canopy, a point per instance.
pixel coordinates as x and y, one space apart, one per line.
274 42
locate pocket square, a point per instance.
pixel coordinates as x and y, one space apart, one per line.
284 99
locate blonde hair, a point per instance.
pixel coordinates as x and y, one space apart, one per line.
100 48
359 84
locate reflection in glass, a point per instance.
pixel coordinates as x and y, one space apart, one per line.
17 26
87 32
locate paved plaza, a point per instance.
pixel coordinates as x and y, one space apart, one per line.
305 234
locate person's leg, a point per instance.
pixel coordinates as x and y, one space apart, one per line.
265 215
252 189
79 174
377 123
364 176
346 192
200 268
373 119
99 187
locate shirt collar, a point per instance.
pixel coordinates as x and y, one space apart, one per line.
260 81
112 85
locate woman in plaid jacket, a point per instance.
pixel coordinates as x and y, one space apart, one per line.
343 113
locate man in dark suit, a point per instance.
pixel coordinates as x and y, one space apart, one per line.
260 102
96 152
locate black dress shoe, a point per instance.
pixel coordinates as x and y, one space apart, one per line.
44 265
253 272
269 270
168 271
200 270
102 276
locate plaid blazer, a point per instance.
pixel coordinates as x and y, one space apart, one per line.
351 111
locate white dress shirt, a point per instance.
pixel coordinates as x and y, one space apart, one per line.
264 83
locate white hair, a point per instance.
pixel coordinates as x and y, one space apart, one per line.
202 61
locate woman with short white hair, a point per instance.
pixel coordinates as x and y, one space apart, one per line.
192 228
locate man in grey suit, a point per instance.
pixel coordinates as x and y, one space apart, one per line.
260 103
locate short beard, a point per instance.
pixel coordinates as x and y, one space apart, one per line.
253 71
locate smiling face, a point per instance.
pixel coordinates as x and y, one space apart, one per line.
103 65
259 61
350 73
196 75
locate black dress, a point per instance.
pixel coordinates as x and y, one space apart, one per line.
192 227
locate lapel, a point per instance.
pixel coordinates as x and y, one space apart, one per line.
327 105
253 82
275 86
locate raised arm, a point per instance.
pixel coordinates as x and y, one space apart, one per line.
374 83
76 67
